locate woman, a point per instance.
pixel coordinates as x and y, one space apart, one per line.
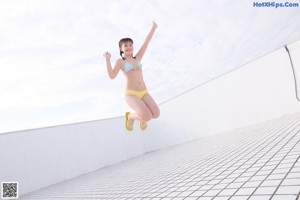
136 95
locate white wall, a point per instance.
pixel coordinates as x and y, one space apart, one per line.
40 157
261 90
258 91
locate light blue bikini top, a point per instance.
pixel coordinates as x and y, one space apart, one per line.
129 67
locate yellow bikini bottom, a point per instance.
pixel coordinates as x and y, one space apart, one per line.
139 94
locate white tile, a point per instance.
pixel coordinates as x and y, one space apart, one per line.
245 166
213 182
294 175
180 184
248 174
173 194
227 180
245 191
288 190
221 177
198 193
209 178
206 198
172 189
252 184
283 197
221 198
190 184
285 165
176 198
239 198
200 183
226 172
181 189
276 176
295 169
242 179
190 198
233 176
185 194
206 187
211 193
281 171
261 173
293 181
271 183
253 169
258 178
235 185
220 186
240 171
194 188
273 163
258 165
269 167
289 159
261 197
264 190
228 192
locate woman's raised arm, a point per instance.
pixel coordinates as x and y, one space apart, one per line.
142 50
112 73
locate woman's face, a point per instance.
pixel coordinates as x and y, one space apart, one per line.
127 48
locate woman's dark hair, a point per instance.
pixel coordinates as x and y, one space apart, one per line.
124 40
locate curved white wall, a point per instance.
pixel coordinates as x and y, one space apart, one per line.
260 90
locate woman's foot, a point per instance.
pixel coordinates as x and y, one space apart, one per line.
143 125
128 122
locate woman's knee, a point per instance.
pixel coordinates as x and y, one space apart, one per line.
146 115
155 113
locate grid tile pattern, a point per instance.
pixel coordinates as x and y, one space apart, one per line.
255 162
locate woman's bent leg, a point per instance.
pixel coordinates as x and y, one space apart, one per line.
152 106
142 111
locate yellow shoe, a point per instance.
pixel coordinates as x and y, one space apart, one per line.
143 127
127 126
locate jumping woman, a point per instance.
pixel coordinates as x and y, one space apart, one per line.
136 94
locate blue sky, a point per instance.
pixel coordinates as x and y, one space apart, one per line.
53 72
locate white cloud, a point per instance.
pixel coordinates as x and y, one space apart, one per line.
52 69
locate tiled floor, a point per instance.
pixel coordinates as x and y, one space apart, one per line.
256 162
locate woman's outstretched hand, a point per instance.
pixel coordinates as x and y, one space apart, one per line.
107 55
155 24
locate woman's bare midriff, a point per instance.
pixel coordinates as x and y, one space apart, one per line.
135 81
